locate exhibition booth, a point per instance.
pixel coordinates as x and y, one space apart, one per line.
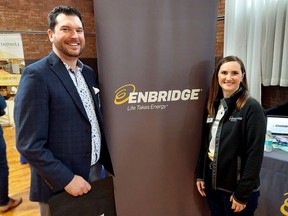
274 170
274 184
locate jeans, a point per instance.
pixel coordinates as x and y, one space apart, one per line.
4 172
219 201
220 205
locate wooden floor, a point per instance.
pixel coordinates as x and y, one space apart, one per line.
19 178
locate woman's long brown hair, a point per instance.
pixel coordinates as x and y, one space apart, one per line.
215 89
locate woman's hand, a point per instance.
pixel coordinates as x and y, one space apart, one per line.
236 206
201 187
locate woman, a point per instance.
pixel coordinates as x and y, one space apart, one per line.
233 141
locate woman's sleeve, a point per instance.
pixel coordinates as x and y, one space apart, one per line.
254 135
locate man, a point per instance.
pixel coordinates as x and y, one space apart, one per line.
59 127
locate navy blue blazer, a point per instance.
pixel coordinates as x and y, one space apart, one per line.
53 132
3 105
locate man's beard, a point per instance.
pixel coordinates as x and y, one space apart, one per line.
66 52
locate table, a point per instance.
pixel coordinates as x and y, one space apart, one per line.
273 200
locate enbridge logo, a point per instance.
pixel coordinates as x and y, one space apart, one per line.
128 94
284 207
122 93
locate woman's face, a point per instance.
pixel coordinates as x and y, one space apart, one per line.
230 77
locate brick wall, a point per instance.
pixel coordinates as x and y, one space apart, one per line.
273 96
30 19
220 29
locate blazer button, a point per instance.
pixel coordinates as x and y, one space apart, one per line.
87 155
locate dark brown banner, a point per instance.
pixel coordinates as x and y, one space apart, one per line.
155 60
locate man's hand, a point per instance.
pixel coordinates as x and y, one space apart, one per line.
77 186
201 187
236 206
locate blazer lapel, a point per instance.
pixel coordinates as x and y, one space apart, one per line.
91 85
59 69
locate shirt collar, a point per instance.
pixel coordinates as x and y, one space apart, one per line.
79 66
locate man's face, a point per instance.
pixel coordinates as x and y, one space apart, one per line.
68 37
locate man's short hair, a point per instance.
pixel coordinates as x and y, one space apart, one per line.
67 10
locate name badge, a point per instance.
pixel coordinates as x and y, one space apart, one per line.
209 120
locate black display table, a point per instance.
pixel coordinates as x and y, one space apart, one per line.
274 184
